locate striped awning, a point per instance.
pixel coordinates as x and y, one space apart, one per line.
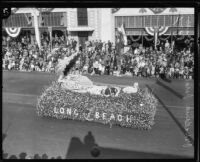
48 19
134 31
140 31
180 31
155 20
18 20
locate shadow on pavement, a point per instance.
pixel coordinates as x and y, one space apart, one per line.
169 89
4 136
173 117
90 150
166 79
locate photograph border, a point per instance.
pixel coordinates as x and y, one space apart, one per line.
132 4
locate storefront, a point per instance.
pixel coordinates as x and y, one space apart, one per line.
21 23
172 24
83 34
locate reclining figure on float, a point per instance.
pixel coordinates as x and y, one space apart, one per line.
82 84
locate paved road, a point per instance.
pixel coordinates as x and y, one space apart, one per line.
32 134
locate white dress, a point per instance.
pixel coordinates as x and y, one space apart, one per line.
130 90
82 84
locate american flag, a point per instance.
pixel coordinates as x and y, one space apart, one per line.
122 34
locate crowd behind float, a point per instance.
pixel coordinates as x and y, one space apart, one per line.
97 57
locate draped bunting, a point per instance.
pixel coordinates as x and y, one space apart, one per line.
148 39
156 31
13 32
157 10
135 40
162 30
149 30
164 39
180 38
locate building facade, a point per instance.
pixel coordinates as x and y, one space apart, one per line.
84 24
141 23
81 24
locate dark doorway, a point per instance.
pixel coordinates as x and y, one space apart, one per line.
59 33
82 38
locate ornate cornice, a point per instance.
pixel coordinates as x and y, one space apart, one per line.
157 10
115 10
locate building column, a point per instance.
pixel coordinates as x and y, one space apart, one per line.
112 28
35 15
107 28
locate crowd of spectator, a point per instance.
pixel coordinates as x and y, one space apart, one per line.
88 145
99 57
24 155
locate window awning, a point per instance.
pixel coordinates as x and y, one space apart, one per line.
180 31
142 31
80 29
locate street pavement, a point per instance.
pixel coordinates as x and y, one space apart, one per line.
26 132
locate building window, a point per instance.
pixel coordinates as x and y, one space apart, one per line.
82 16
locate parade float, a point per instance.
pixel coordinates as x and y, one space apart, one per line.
74 96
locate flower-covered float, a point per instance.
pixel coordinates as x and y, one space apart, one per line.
74 96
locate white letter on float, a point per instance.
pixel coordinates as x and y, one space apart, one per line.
62 110
97 115
88 116
55 110
75 112
128 119
104 117
112 116
69 111
119 117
